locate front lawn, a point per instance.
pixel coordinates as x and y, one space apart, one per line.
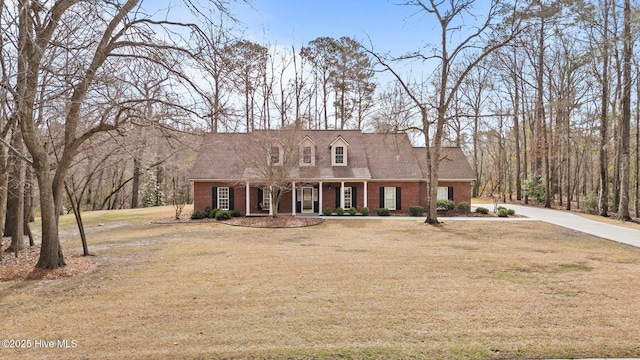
342 289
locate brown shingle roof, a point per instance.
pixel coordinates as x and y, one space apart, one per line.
222 156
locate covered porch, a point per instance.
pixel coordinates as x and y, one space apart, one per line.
308 197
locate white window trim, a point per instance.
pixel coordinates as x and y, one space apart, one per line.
221 198
313 155
348 197
443 193
266 198
334 155
390 194
280 154
339 142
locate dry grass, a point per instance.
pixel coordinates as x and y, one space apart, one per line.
343 289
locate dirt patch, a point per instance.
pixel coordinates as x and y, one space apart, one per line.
23 267
271 222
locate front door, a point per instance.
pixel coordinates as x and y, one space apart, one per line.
307 199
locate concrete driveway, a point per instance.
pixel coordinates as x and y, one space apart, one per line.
571 221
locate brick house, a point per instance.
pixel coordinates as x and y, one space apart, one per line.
334 168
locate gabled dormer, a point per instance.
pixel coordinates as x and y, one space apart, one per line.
339 151
307 152
275 154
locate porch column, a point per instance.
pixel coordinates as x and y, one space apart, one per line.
342 194
366 194
320 198
293 198
270 201
247 201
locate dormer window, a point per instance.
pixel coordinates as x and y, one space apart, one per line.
339 155
275 156
307 152
339 149
306 155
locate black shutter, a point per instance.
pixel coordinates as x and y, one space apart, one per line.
450 196
231 199
337 197
214 197
381 197
316 204
398 199
260 198
354 197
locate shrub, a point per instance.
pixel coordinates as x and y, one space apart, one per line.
211 213
235 213
384 212
416 210
511 212
464 206
591 201
482 210
327 211
365 211
503 212
223 215
353 211
534 188
340 211
197 215
447 204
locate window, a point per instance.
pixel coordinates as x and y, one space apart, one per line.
306 155
347 198
445 193
274 155
390 198
339 158
223 198
339 148
266 199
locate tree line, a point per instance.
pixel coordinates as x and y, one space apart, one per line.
103 103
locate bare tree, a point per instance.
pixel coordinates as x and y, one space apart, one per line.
272 162
495 31
48 30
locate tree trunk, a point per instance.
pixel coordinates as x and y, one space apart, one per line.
75 205
625 126
603 203
4 179
135 187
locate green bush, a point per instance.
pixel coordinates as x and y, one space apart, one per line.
591 201
384 212
365 211
482 210
211 213
339 211
447 204
353 211
534 188
235 213
511 212
327 211
223 215
197 215
503 212
464 206
416 210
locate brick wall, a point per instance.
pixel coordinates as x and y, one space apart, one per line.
412 193
203 195
461 191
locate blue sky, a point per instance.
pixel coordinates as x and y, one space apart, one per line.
391 28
